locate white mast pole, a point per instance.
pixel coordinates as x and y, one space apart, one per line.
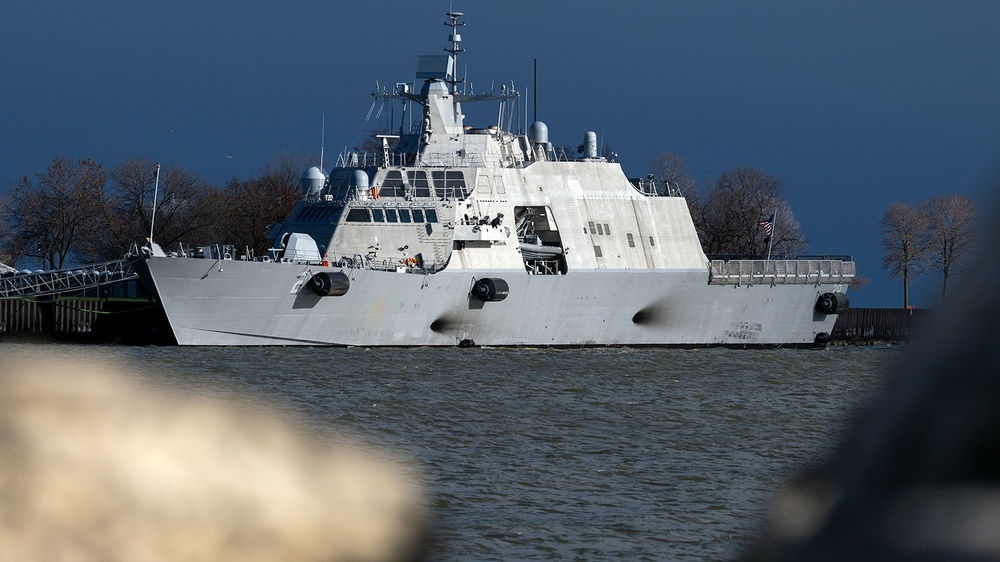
156 188
770 239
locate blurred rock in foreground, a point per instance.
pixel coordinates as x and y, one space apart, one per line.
96 467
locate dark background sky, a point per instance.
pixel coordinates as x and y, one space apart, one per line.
853 104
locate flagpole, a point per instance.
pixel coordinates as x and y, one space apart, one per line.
770 239
152 220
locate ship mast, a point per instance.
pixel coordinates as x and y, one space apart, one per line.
455 39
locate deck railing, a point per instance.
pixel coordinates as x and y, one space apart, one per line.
779 272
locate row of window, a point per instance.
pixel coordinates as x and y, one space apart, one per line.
319 213
603 230
442 184
631 244
360 214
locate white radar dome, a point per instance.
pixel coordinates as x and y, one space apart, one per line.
313 180
359 179
538 132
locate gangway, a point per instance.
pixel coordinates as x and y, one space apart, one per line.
41 283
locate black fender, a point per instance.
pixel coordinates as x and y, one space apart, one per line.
490 289
330 283
832 303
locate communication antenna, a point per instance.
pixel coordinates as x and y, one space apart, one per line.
455 39
156 187
525 109
322 142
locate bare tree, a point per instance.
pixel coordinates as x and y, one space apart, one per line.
729 221
904 243
286 168
252 205
182 208
672 174
951 233
859 282
55 217
6 235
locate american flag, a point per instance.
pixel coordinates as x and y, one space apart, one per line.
768 225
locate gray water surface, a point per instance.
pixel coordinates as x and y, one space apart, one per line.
588 454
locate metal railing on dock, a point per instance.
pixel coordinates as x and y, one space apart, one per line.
39 283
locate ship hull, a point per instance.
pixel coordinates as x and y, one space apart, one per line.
243 303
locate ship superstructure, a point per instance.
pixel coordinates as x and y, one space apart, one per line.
448 233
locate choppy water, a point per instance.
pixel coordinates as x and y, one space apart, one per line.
585 454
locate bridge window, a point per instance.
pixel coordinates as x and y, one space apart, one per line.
607 229
432 215
651 242
378 215
593 229
359 215
320 213
418 215
404 215
390 215
631 241
449 183
418 179
392 185
600 230
597 251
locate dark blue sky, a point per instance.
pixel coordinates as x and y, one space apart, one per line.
853 104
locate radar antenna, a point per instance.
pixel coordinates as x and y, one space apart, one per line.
455 39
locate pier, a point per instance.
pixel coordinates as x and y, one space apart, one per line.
42 283
104 302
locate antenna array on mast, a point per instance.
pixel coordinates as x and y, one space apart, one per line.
455 39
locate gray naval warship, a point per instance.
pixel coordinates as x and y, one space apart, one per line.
450 234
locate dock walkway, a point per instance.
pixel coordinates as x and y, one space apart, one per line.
42 283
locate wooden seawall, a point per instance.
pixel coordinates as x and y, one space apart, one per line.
870 325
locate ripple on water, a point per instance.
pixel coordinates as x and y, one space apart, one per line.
534 454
